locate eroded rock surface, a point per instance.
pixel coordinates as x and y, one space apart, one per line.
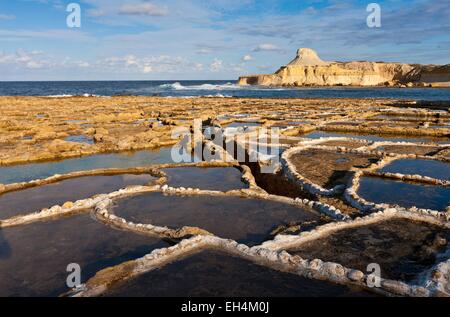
329 169
276 209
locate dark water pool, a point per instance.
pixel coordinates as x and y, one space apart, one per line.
215 274
376 137
436 169
213 178
404 194
79 139
27 172
245 220
34 258
36 198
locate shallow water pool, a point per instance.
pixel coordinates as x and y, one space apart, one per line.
45 196
431 168
34 258
379 190
28 172
212 273
245 220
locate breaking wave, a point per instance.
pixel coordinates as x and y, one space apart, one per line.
69 96
179 86
204 96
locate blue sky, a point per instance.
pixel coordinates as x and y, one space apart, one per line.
207 39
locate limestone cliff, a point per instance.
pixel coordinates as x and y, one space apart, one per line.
307 69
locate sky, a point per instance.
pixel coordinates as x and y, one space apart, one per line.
207 39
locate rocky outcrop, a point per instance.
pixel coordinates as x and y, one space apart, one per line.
307 69
438 76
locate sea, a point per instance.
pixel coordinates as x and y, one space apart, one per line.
210 88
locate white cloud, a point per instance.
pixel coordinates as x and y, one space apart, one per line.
52 34
83 64
204 51
147 64
198 67
30 60
266 47
95 13
247 58
130 60
24 59
5 58
33 60
143 9
216 65
147 69
6 17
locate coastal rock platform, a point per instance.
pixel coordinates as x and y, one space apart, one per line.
168 239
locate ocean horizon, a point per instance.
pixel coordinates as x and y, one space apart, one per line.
210 88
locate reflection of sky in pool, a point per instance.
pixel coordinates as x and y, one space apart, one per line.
379 190
213 273
245 220
27 172
376 137
34 258
45 196
213 178
79 139
431 168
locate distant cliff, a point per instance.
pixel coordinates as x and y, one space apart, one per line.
307 69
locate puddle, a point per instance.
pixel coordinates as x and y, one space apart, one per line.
445 125
409 149
34 258
327 168
233 116
376 137
379 190
352 144
402 248
342 160
79 139
248 221
435 169
28 172
280 139
213 178
243 124
76 121
155 122
403 118
215 274
27 138
36 198
284 125
351 123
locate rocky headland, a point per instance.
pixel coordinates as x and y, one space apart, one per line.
307 69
